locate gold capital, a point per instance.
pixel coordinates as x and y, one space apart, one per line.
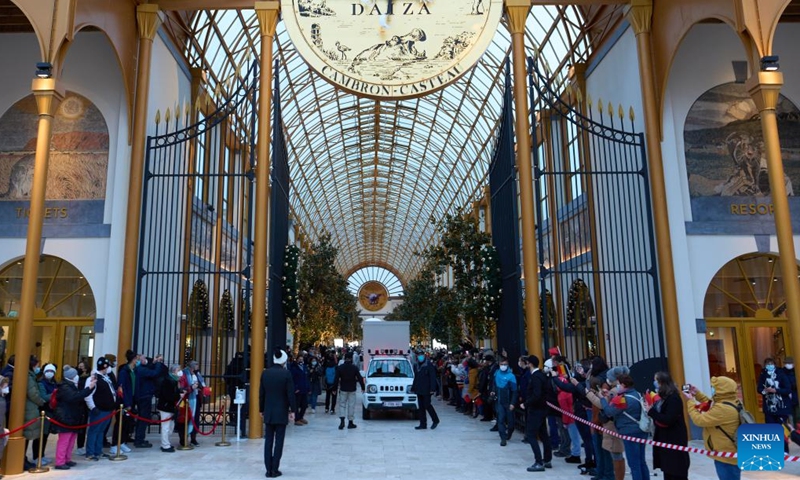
765 89
48 95
517 14
147 20
267 13
640 14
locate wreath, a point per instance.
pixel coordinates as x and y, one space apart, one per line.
551 310
579 305
227 319
291 306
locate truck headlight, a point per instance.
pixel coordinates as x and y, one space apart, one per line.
372 389
408 388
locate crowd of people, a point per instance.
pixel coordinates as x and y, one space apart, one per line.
542 400
82 406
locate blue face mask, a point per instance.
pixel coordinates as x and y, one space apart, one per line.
713 392
36 370
421 358
138 362
770 368
655 384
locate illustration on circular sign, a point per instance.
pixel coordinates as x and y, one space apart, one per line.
391 49
373 296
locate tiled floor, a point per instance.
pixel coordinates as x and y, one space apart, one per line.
382 448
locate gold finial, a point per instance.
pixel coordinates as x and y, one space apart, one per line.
198 103
217 90
621 112
610 108
177 112
167 116
158 116
632 114
600 105
187 108
579 94
589 100
208 100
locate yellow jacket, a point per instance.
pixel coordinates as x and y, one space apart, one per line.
473 384
719 415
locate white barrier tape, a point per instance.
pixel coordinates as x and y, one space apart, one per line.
701 451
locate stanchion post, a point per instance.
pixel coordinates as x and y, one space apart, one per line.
224 410
39 468
186 419
119 456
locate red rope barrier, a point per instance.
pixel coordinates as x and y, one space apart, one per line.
79 427
216 422
680 448
28 424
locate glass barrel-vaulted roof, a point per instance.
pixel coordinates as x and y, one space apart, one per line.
373 173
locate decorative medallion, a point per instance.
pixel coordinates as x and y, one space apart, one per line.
391 49
373 296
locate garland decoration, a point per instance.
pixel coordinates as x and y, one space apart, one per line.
551 310
199 316
492 282
579 305
291 306
227 319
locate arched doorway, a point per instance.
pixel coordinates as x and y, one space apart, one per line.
63 331
745 313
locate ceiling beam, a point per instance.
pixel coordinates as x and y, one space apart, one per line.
167 5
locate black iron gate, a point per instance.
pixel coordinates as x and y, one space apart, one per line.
599 281
193 291
505 228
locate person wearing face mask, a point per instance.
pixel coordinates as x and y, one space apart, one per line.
101 403
69 401
425 386
315 381
788 370
719 422
47 385
126 389
301 388
667 414
32 405
505 392
775 389
168 397
194 379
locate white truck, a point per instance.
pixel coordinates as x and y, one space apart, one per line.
388 373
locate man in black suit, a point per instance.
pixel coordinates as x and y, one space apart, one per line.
425 386
276 401
535 406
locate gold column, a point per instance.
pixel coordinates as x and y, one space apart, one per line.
48 96
148 21
267 20
641 16
517 14
765 89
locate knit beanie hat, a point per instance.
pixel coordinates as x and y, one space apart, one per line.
70 373
616 372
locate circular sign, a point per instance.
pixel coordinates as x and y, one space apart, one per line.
373 296
391 49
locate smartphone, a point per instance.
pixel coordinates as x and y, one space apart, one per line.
686 388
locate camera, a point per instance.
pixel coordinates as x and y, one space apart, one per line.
686 388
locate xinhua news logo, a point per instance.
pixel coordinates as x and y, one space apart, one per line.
760 447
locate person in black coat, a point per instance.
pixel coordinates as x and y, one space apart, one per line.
68 413
667 414
425 386
276 401
169 394
535 406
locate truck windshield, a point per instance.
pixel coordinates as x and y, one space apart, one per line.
390 368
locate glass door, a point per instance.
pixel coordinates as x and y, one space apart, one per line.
723 359
78 344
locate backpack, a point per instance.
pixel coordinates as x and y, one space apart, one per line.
330 375
53 400
745 417
645 422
